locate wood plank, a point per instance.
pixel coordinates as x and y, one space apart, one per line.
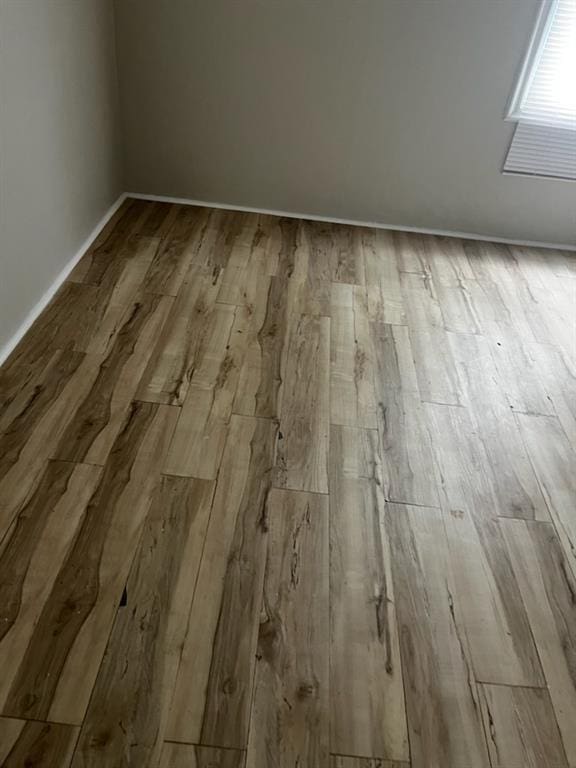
311 279
52 673
211 703
404 439
384 295
338 761
516 488
290 713
42 745
346 254
554 460
421 301
521 728
190 756
179 248
442 700
91 431
224 232
494 265
501 644
37 426
366 689
548 588
438 380
302 452
33 549
199 439
259 385
192 345
352 398
520 377
412 251
128 710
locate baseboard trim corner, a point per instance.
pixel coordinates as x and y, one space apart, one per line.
354 222
47 296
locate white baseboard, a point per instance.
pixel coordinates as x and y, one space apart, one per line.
47 296
353 222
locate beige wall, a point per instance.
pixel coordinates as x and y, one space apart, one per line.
59 160
378 110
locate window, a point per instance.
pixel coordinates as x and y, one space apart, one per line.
544 101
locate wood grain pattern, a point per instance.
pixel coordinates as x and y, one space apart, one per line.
302 453
441 696
516 488
192 344
384 295
261 373
521 728
278 492
189 756
53 673
180 247
339 761
352 398
554 459
32 550
438 380
211 703
366 688
548 589
404 438
290 712
41 745
501 644
91 431
128 710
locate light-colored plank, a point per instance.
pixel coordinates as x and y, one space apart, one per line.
438 380
42 745
32 551
501 645
52 670
171 262
548 589
129 706
385 301
421 301
290 712
199 439
302 451
352 399
190 756
192 344
521 729
212 698
366 690
260 381
91 431
338 761
442 700
37 423
554 460
520 376
404 439
516 488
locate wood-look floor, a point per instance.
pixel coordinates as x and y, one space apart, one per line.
277 493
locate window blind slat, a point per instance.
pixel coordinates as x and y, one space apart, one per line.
542 150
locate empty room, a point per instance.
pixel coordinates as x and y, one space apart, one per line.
288 383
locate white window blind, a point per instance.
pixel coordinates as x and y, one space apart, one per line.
544 102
